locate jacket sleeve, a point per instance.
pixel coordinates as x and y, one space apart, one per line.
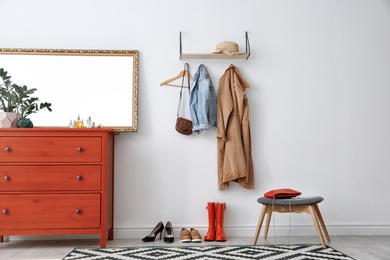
224 106
194 100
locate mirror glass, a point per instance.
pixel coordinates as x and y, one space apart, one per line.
101 84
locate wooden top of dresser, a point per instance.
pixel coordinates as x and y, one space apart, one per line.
58 130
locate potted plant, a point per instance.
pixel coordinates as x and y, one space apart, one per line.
16 103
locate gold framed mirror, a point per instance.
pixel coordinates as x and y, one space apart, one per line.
101 84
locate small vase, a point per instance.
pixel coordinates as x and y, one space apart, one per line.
25 123
9 119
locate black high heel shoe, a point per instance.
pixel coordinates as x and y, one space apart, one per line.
168 233
157 229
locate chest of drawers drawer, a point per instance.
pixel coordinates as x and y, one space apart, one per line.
50 149
49 211
50 178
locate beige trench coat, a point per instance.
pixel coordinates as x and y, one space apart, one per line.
233 132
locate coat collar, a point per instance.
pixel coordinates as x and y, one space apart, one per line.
233 69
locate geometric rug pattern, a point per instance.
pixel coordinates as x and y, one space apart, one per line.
282 252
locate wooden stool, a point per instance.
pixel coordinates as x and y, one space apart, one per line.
293 205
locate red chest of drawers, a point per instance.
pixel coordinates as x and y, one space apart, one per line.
56 181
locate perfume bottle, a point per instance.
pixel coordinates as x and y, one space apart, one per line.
89 122
78 122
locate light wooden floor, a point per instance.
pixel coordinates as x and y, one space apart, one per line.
358 247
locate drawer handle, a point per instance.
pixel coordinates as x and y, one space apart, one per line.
5 211
78 177
7 149
78 211
6 178
80 149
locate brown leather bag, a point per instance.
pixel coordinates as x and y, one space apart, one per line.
183 125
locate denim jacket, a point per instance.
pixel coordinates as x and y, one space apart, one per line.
203 101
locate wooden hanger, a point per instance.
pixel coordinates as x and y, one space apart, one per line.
182 73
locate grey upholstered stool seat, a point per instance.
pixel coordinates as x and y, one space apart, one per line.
294 205
293 201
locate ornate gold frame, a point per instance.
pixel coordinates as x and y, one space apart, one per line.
131 54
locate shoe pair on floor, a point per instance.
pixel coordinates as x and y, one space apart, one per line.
158 229
192 235
186 236
216 212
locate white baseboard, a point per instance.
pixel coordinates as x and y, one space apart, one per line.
303 230
333 230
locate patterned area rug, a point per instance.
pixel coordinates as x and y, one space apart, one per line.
307 252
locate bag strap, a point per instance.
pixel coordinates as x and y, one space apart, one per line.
186 67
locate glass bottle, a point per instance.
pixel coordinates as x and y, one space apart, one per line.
78 122
89 122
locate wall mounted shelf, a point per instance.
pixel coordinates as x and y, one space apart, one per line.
185 56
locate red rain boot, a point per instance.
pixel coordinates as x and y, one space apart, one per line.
210 235
220 234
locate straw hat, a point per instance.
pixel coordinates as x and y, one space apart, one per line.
228 48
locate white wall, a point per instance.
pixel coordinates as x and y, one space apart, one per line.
319 104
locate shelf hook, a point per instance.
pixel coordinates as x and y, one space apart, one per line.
247 47
180 44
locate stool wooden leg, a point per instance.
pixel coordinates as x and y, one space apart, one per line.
317 225
322 222
263 211
269 215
